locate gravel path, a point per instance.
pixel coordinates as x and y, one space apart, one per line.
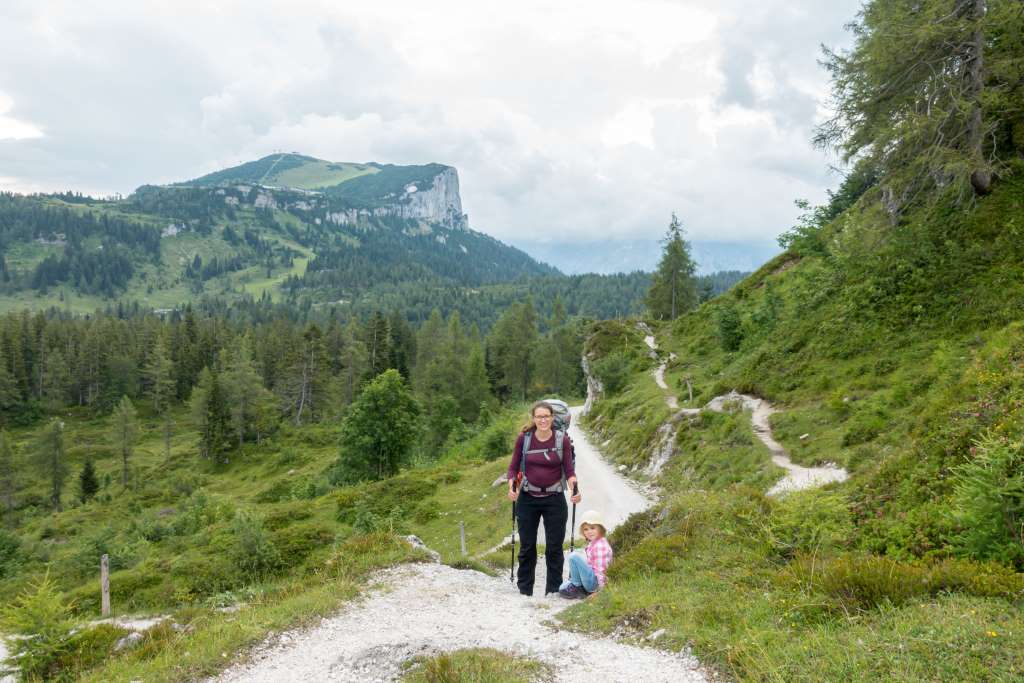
797 477
427 609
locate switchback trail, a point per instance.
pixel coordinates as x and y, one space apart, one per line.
428 609
797 477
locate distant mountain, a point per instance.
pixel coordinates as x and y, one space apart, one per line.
624 256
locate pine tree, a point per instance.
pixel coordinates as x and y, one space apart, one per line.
7 473
378 344
88 484
353 363
250 403
51 459
8 387
124 431
379 431
926 93
159 374
210 415
511 345
673 288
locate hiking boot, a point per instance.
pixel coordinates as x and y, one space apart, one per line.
572 592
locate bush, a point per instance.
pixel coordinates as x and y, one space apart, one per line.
395 498
864 428
88 648
9 551
252 549
632 531
497 442
809 521
42 612
988 503
613 371
654 554
295 543
863 582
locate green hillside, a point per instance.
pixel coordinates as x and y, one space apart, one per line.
286 170
893 352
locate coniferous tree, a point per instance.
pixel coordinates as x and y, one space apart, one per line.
124 431
159 374
928 95
673 289
353 364
378 344
8 387
210 415
51 459
88 484
379 431
250 403
7 473
512 344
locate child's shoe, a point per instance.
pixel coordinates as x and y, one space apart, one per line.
572 592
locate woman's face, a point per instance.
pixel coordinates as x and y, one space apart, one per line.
542 419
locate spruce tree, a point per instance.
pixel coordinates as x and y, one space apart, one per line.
51 459
124 431
8 387
250 403
88 484
7 473
159 374
673 288
210 415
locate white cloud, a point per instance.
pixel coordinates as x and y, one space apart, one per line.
579 120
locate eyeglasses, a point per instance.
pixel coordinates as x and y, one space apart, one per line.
541 417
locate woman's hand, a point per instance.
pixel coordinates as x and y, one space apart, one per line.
513 494
577 496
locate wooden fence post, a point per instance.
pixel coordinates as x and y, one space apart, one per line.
105 585
462 537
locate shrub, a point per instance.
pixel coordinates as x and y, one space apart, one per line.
613 371
988 501
296 542
859 582
9 551
42 612
654 554
632 531
730 327
88 648
395 498
497 442
864 428
252 549
809 521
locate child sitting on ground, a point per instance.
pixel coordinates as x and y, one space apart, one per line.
587 568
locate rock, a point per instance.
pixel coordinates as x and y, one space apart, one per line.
128 642
500 480
415 542
621 468
804 437
657 634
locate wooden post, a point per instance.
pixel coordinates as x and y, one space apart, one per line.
105 585
689 389
462 537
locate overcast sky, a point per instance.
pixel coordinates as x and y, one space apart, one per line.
570 121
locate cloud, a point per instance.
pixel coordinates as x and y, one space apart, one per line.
580 120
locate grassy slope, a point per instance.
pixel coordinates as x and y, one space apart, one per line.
171 536
895 377
317 175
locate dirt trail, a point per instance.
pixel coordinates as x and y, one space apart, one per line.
797 477
428 609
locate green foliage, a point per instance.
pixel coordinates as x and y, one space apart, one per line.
730 327
252 550
858 582
673 288
211 416
614 371
379 431
811 521
988 501
88 484
124 431
511 348
9 551
41 611
394 499
51 459
476 665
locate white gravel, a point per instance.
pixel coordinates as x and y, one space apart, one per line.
427 609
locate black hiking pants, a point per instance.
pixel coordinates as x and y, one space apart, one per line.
529 511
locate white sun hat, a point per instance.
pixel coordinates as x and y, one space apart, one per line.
592 518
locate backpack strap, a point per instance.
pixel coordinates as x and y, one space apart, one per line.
559 448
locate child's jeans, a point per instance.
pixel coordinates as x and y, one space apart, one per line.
580 573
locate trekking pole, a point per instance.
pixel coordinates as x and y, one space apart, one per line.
572 531
512 564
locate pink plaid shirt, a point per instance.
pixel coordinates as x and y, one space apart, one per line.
599 556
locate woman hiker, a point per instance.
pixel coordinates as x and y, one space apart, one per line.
547 473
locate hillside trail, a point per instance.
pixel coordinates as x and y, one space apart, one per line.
797 477
428 609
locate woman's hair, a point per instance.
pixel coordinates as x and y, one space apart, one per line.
533 409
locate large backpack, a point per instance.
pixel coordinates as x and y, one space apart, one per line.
560 413
554 488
